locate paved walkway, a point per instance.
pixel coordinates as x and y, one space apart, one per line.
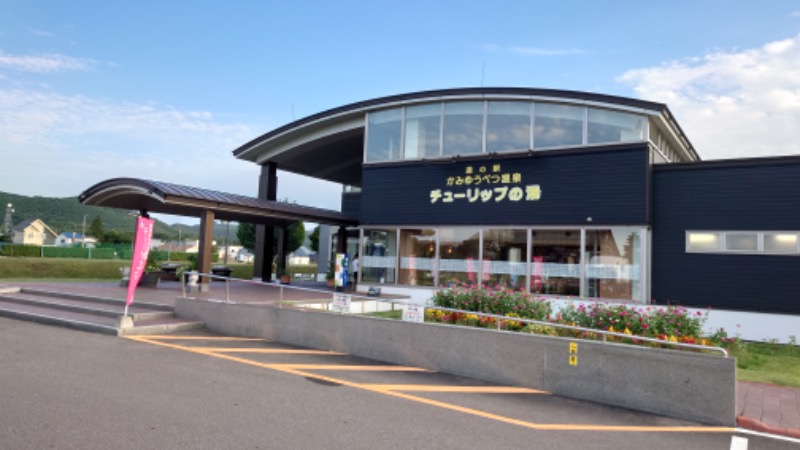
768 408
760 407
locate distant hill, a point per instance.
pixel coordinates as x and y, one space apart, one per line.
67 214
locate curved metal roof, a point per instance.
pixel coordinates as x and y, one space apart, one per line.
168 198
329 144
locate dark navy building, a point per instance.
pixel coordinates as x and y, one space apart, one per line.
560 193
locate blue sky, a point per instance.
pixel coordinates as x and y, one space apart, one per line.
91 90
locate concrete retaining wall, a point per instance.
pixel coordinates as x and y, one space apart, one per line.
677 384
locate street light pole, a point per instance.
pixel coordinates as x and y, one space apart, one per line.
8 226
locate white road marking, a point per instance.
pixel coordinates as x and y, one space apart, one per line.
738 443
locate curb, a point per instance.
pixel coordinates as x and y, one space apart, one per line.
757 425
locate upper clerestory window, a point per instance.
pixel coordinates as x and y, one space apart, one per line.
456 128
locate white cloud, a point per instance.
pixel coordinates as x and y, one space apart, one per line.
41 33
44 63
731 104
57 145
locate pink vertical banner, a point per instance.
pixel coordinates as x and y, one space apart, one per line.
536 274
141 248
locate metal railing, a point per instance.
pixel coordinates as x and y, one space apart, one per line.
499 318
228 280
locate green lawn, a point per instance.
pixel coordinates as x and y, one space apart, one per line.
768 363
397 314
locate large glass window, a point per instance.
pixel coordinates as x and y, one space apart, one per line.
463 128
417 256
555 262
383 140
458 256
379 261
422 133
508 126
614 264
557 125
505 256
613 126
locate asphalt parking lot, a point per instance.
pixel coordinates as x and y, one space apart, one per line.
70 389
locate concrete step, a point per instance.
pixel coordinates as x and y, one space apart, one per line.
83 306
161 326
93 299
50 316
88 313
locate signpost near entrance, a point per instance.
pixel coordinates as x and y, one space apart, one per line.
342 267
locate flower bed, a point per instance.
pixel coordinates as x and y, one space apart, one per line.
673 324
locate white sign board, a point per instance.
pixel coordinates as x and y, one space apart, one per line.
413 313
341 303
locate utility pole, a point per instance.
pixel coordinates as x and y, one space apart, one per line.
83 232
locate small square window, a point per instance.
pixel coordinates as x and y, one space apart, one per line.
703 242
741 241
780 242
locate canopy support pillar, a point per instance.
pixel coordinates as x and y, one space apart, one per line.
206 240
265 234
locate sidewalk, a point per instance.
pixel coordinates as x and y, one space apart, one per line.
768 408
759 407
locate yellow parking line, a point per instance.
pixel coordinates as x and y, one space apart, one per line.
448 406
463 389
353 367
288 351
200 338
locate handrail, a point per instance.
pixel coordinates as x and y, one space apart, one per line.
603 333
265 283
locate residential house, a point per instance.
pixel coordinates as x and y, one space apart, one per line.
302 256
33 232
71 238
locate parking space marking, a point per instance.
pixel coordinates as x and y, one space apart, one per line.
350 367
459 389
288 351
172 337
293 369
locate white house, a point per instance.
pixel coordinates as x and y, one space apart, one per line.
70 238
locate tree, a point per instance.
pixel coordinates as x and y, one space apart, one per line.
96 228
246 233
118 237
296 235
314 238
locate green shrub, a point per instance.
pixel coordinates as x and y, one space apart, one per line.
16 250
58 268
301 268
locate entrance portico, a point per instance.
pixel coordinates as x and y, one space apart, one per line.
167 198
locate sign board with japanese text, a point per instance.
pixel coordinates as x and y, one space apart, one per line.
547 188
413 313
341 303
